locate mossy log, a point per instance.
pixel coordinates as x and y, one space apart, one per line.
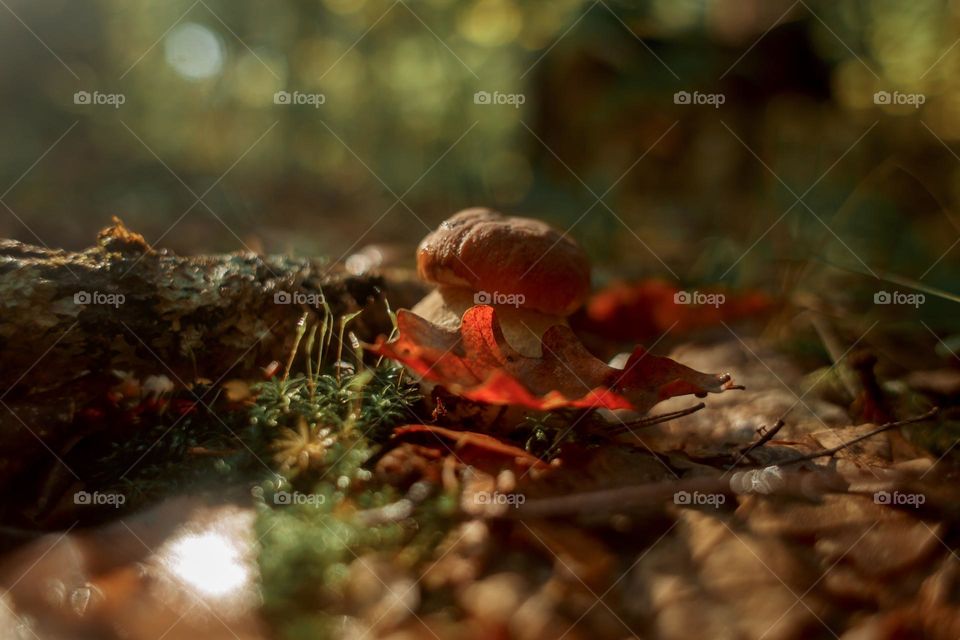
70 320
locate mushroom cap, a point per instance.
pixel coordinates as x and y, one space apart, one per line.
486 251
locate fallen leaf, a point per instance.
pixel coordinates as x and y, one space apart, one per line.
648 308
472 440
476 363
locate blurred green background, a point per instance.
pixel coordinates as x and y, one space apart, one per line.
598 145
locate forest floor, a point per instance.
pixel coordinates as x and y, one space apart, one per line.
323 492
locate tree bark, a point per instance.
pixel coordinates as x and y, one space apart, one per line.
69 320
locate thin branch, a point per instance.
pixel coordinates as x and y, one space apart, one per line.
880 429
652 420
763 439
650 497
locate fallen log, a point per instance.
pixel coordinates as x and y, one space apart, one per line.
69 321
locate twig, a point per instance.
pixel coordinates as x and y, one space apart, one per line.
652 420
880 429
763 439
643 497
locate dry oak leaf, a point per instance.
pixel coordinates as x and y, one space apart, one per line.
475 362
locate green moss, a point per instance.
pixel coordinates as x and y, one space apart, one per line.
306 444
373 401
323 429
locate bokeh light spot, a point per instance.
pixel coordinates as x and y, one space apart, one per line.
209 562
194 51
492 22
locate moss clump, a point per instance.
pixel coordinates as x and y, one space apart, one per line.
322 429
373 400
304 441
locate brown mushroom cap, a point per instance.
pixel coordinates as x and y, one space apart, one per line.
484 250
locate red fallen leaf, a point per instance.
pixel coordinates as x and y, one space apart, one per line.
481 441
183 406
646 309
93 414
477 363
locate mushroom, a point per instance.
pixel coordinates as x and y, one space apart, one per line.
534 275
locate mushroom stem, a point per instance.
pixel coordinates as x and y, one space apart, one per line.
522 328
